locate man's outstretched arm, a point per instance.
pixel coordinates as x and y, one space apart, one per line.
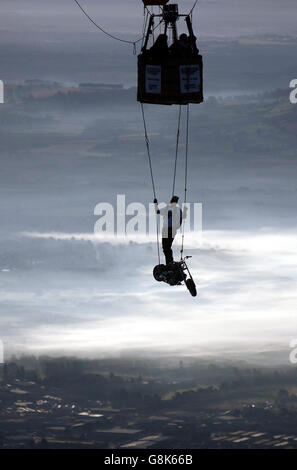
156 206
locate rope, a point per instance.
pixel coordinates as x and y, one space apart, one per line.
146 14
106 32
153 30
186 179
191 11
174 174
112 35
147 142
160 13
176 150
120 39
100 28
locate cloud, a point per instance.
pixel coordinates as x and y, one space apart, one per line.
246 283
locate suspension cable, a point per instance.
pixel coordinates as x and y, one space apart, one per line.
160 13
191 11
100 28
147 142
106 32
112 35
186 179
176 150
146 14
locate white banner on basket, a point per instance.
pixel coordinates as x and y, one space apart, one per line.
190 78
153 79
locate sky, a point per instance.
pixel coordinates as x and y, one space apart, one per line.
212 17
62 289
247 298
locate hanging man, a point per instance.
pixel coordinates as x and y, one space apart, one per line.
173 216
